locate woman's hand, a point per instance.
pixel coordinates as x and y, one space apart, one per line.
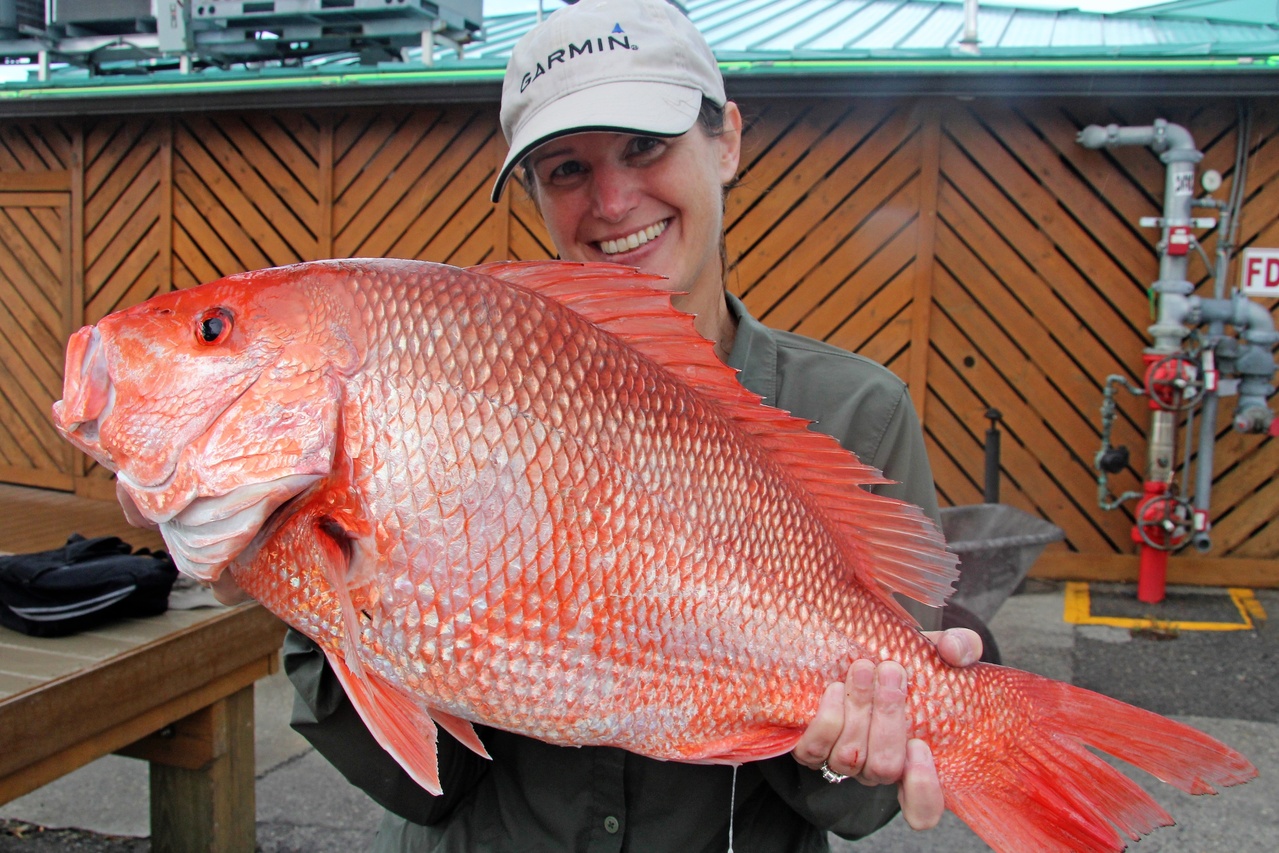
226 590
860 730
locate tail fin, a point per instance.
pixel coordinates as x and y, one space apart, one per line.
1039 788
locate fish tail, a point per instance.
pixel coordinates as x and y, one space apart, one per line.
1042 790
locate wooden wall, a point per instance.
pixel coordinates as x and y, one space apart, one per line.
972 246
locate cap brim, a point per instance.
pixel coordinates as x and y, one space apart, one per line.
647 107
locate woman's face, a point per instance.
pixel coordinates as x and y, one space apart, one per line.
648 202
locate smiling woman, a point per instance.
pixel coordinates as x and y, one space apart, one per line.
645 201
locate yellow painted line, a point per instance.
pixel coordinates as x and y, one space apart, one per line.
1078 611
1251 604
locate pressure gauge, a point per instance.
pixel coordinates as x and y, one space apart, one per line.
1211 180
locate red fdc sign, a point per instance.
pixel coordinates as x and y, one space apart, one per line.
1259 272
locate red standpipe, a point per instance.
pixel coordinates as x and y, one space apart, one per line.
1153 574
1153 510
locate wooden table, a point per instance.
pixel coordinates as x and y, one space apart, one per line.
174 689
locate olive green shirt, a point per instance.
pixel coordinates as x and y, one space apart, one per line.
537 797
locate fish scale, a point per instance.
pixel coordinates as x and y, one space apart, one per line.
566 380
529 496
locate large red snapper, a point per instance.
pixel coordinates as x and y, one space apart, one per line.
529 496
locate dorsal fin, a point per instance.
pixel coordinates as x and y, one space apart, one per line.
895 546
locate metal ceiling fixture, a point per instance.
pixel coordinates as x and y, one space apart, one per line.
140 35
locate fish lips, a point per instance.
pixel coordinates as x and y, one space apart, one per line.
87 395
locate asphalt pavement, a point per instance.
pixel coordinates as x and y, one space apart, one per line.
1223 682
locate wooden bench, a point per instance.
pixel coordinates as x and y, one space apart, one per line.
175 690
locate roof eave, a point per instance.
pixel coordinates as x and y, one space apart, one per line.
783 75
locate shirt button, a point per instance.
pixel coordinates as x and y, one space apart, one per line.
611 824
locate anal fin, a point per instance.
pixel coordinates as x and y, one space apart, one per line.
755 745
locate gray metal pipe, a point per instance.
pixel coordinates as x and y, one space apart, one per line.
1176 148
1202 539
1161 136
1253 361
1254 322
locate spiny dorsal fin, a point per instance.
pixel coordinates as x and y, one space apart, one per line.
896 546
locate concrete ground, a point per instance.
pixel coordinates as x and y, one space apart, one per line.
1221 682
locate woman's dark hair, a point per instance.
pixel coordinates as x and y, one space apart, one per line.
711 117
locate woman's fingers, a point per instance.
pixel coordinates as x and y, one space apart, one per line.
920 791
819 738
847 755
885 743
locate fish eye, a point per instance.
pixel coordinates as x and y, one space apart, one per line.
214 326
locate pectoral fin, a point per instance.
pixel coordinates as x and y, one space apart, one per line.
348 567
400 724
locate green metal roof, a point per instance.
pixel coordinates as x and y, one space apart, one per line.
770 47
1240 11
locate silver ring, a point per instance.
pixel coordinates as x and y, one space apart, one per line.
830 775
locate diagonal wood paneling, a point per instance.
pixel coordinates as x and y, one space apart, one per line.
122 216
1027 273
244 194
34 263
415 185
823 225
1033 327
35 146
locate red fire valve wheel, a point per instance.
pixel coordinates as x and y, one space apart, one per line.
1174 383
1165 522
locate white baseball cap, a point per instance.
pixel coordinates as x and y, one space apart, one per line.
634 66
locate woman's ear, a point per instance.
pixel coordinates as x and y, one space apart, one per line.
730 142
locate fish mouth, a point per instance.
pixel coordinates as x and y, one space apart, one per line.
148 497
208 506
88 404
88 395
631 242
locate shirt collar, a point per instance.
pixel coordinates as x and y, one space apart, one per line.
754 353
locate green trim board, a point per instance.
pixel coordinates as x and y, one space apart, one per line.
167 84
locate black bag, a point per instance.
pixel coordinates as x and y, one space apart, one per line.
82 584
